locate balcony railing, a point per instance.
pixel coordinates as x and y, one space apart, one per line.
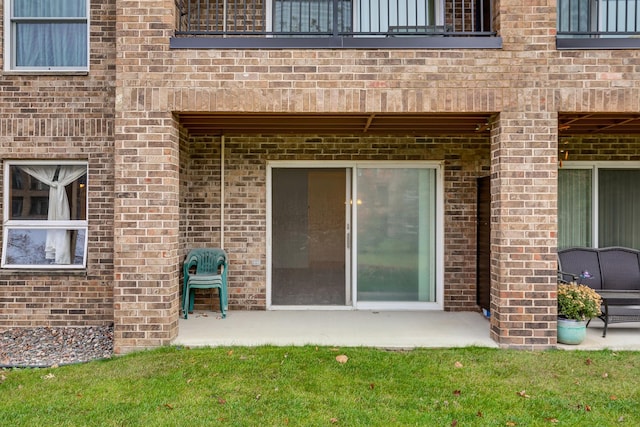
282 24
598 24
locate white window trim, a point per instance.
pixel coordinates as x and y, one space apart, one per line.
9 224
9 43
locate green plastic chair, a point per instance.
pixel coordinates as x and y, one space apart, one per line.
210 265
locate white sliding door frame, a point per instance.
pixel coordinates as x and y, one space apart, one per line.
351 229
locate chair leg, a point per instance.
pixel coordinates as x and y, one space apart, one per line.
222 307
185 303
192 299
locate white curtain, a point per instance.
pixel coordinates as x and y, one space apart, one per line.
58 242
50 40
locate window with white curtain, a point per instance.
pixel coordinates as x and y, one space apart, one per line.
47 35
598 205
45 215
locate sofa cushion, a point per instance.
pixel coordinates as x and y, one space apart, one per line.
577 261
620 268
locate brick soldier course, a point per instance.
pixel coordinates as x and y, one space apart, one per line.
155 190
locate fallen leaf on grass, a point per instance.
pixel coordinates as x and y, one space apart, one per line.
613 397
587 408
456 392
372 386
511 423
168 406
221 401
333 421
458 365
588 361
479 414
454 423
605 375
49 376
523 393
342 358
552 420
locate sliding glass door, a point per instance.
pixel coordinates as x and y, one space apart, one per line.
396 239
598 205
360 235
309 262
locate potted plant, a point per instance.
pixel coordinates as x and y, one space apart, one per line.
577 304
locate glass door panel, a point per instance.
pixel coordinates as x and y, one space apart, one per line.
574 207
396 236
308 236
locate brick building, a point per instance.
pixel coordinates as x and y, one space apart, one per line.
410 154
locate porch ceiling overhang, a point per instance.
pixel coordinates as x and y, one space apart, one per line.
598 123
427 124
210 124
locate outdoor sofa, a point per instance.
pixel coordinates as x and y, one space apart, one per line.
613 272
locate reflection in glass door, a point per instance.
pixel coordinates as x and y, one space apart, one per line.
309 224
396 234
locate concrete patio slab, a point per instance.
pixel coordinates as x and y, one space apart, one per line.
620 336
398 329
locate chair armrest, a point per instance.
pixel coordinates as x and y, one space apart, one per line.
189 262
562 277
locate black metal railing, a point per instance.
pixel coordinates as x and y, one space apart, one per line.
598 24
333 23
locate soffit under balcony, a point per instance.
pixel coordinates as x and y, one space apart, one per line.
598 123
423 124
212 124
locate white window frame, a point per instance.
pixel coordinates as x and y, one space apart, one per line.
10 40
595 166
353 166
13 224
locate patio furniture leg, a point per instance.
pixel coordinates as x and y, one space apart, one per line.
605 318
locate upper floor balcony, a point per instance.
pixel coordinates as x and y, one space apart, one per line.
598 24
334 24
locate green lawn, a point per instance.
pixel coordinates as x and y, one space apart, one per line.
307 386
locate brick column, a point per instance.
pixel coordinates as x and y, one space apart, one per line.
524 224
146 241
146 212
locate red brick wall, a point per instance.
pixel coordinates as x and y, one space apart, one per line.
465 159
600 148
66 117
